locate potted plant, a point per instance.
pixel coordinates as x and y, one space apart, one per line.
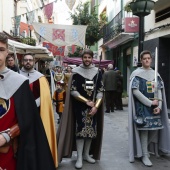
127 7
124 98
139 7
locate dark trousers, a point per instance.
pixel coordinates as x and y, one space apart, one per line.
118 101
110 100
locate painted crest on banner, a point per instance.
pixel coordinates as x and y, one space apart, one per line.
59 34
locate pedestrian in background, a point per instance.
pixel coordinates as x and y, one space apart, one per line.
59 75
119 105
59 98
110 78
11 63
67 74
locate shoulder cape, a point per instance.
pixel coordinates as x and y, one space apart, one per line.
86 72
32 75
10 83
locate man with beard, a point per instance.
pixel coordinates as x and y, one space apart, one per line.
82 120
23 143
40 88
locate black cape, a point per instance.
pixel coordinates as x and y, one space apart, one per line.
33 152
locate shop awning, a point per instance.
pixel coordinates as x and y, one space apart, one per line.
40 52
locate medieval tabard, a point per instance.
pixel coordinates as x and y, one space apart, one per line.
146 87
59 97
83 83
143 80
75 122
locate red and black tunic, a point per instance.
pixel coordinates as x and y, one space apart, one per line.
35 88
7 119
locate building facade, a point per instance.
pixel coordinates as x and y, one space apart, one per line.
122 46
7 11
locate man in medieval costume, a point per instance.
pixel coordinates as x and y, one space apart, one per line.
23 142
59 75
149 129
82 120
41 91
59 99
67 75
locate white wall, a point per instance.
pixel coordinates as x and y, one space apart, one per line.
102 6
112 8
150 22
6 14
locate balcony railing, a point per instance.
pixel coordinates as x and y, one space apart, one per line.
113 28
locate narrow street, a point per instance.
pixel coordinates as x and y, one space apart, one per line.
115 148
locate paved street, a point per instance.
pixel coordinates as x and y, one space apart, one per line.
115 148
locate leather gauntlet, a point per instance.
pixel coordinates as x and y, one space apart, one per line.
14 131
98 103
81 98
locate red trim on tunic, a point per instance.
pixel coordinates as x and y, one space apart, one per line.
7 160
35 88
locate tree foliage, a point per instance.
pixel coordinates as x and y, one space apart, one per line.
28 41
82 16
77 52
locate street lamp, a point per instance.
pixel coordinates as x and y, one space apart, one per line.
141 8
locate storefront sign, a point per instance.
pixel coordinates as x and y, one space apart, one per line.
131 24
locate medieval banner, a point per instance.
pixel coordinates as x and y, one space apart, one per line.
62 35
57 51
48 10
70 3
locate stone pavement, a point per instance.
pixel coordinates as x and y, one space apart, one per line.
115 148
